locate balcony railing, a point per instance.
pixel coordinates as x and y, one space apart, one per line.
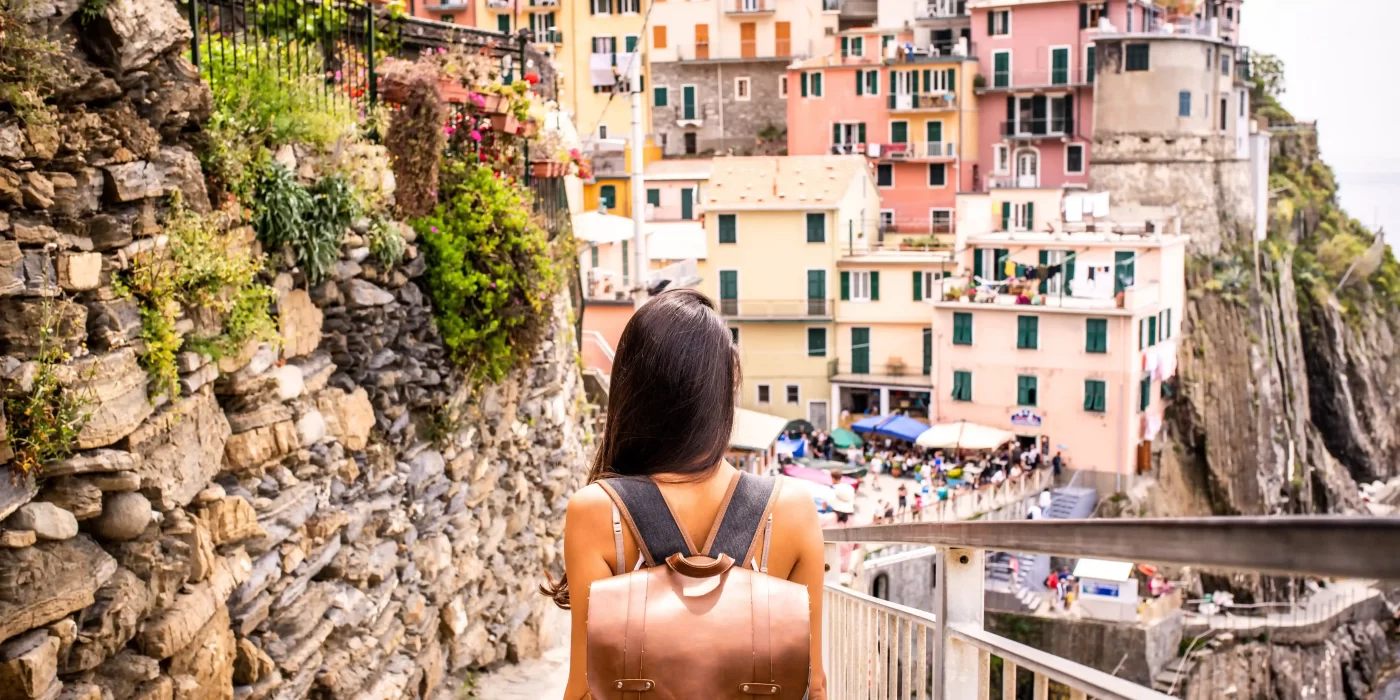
498 4
775 309
934 101
749 7
551 35
878 649
919 150
847 149
1037 79
942 9
905 371
1047 127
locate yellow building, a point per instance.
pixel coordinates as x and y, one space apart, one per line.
599 37
546 19
611 186
772 263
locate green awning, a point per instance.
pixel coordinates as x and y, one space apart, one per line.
845 439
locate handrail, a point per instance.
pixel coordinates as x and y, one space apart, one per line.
1095 683
601 342
1314 545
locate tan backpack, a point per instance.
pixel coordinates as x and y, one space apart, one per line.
693 627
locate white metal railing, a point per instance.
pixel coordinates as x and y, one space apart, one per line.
877 650
963 504
597 339
942 9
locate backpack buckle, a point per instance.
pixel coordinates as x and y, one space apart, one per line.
634 685
759 688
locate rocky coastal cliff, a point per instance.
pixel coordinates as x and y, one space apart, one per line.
337 515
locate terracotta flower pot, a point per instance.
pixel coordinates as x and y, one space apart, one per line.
453 91
529 128
505 123
494 104
547 168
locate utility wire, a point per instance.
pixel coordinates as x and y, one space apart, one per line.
646 21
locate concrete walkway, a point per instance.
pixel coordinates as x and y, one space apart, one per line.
536 679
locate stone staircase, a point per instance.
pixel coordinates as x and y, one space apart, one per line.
1171 680
1024 590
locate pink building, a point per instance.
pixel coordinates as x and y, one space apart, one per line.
909 111
1036 85
1064 334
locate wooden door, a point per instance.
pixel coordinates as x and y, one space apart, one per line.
702 41
748 40
782 39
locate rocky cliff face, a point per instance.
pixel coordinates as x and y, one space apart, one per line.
1346 665
336 517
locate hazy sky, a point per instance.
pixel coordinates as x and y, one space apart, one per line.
1341 71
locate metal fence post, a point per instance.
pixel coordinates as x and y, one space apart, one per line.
959 669
194 32
369 61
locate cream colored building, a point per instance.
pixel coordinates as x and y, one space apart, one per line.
773 259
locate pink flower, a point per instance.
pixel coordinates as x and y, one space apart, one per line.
442 49
433 229
451 129
475 135
337 75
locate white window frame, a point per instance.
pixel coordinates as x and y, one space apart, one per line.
790 388
759 390
1006 33
610 40
635 10
890 225
856 50
1102 8
1162 333
1001 159
1019 219
1015 158
892 179
746 93
600 7
783 86
904 82
1050 72
860 286
929 277
1083 151
952 216
854 130
947 181
811 93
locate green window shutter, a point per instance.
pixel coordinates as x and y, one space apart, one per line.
933 132
607 194
962 386
816 342
803 80
860 132
593 249
728 228
1059 66
928 84
872 82
1142 334
962 328
918 286
729 284
1095 392
1044 261
1025 391
659 95
654 197
1002 256
860 350
1027 332
816 285
1123 270
977 261
892 87
1151 331
835 133
1006 216
687 203
845 47
845 286
874 286
899 132
860 82
1145 393
928 352
1168 329
1096 335
816 85
816 227
629 44
1089 66
951 79
1030 216
503 24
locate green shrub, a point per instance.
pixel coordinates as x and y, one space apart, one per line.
385 242
204 266
490 273
43 423
31 65
311 221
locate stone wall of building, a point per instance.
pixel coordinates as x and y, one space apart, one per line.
337 517
725 121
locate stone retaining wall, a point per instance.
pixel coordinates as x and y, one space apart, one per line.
283 529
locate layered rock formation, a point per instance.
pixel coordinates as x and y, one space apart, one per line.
1347 664
285 528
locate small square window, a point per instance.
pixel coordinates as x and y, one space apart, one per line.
792 393
764 394
999 22
1074 158
782 86
741 89
1139 57
937 175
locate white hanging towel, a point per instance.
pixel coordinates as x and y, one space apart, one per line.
1074 208
1100 205
600 69
624 63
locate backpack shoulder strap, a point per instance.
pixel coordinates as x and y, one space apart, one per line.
647 514
749 511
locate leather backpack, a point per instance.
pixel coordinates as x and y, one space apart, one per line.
697 627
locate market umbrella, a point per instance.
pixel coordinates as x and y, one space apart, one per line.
845 439
965 435
799 426
895 426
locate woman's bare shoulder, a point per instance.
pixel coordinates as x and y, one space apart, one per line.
795 503
588 504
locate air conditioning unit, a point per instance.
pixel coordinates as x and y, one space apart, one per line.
831 31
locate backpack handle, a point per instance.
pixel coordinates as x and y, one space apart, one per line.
688 567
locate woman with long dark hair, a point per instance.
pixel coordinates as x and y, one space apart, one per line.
670 413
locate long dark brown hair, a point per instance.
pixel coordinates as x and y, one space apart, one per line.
671 401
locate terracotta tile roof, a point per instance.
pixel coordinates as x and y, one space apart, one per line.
782 182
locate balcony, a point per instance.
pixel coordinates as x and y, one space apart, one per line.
942 9
917 151
750 7
847 149
550 35
1038 80
1032 129
1138 297
881 649
934 102
546 4
776 309
499 4
896 371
